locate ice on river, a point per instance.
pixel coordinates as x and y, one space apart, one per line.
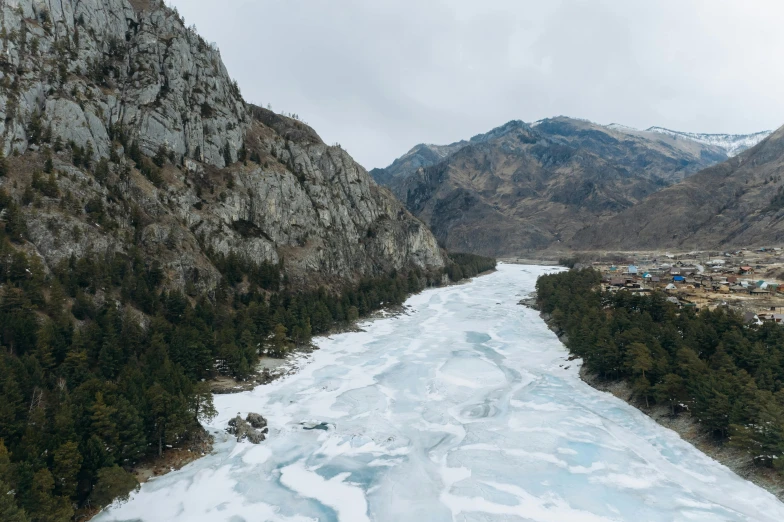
462 410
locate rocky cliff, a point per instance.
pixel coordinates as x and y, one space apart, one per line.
525 187
149 143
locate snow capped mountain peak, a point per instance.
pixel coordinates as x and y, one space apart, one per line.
620 127
732 144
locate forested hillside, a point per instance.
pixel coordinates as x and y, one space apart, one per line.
157 231
726 374
102 366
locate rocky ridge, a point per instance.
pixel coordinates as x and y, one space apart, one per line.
152 145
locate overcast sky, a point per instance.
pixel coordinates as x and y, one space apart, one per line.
379 76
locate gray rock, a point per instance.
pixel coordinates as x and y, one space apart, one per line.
256 420
255 437
144 71
254 429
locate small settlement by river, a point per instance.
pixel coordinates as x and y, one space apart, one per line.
750 281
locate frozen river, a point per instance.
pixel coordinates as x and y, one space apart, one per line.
463 410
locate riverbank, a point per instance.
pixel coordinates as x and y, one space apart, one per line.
683 424
689 430
270 369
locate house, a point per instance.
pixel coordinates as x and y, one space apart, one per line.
678 279
670 287
732 280
751 318
655 279
746 270
673 300
632 270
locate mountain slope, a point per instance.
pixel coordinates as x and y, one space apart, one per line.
426 154
156 233
525 187
737 203
732 144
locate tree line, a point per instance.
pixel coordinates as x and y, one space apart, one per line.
727 374
464 265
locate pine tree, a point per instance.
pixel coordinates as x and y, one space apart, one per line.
671 390
102 423
640 360
201 404
114 483
43 505
130 427
279 344
9 509
3 164
102 170
67 463
48 164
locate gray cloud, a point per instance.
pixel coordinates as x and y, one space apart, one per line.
380 76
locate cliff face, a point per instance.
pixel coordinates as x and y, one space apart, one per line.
152 145
88 65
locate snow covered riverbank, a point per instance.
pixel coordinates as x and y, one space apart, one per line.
466 409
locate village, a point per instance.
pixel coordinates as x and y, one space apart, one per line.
750 281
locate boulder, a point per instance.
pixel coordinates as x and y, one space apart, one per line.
256 420
255 437
248 429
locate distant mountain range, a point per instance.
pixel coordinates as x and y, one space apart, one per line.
523 187
739 202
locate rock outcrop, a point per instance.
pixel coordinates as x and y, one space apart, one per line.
87 67
153 147
253 428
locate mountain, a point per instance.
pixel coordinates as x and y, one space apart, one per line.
158 233
193 170
425 154
736 203
525 187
